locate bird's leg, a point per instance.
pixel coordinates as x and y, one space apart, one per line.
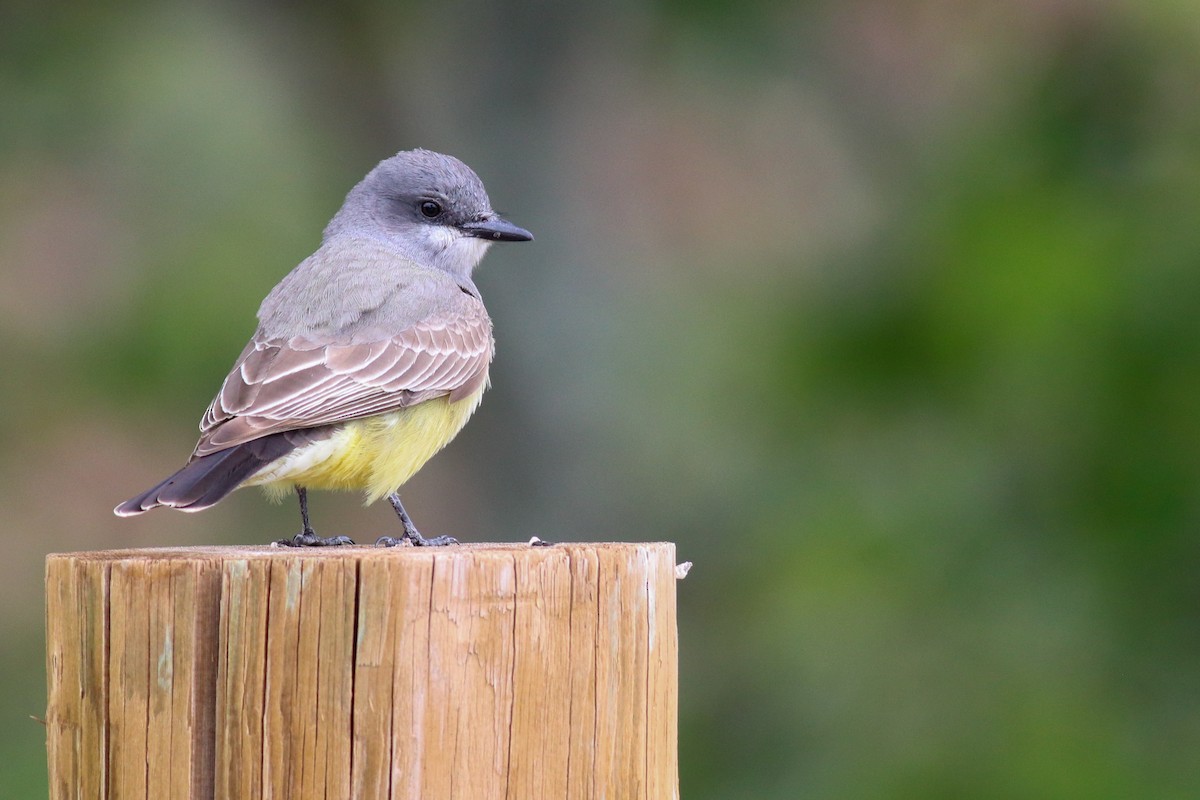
308 537
410 531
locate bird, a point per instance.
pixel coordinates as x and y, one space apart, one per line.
369 357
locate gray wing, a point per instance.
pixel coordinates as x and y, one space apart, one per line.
286 384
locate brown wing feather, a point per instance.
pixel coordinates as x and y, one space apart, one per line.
280 385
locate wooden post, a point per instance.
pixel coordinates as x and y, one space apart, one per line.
474 672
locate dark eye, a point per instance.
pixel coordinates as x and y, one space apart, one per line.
431 209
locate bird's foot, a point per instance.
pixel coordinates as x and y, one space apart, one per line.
307 537
411 538
310 539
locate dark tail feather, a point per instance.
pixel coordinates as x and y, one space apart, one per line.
205 480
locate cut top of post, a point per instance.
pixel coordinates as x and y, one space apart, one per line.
472 671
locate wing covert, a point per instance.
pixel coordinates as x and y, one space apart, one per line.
279 385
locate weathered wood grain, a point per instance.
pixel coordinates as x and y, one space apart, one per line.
472 672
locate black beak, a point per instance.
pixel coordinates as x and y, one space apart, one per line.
496 229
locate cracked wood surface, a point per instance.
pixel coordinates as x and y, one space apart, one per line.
474 672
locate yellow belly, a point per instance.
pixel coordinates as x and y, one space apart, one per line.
376 454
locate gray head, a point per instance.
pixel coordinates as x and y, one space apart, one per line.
433 207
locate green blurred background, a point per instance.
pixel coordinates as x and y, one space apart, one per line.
885 312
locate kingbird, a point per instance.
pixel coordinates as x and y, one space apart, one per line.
369 356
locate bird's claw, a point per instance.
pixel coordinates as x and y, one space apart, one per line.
310 539
414 539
